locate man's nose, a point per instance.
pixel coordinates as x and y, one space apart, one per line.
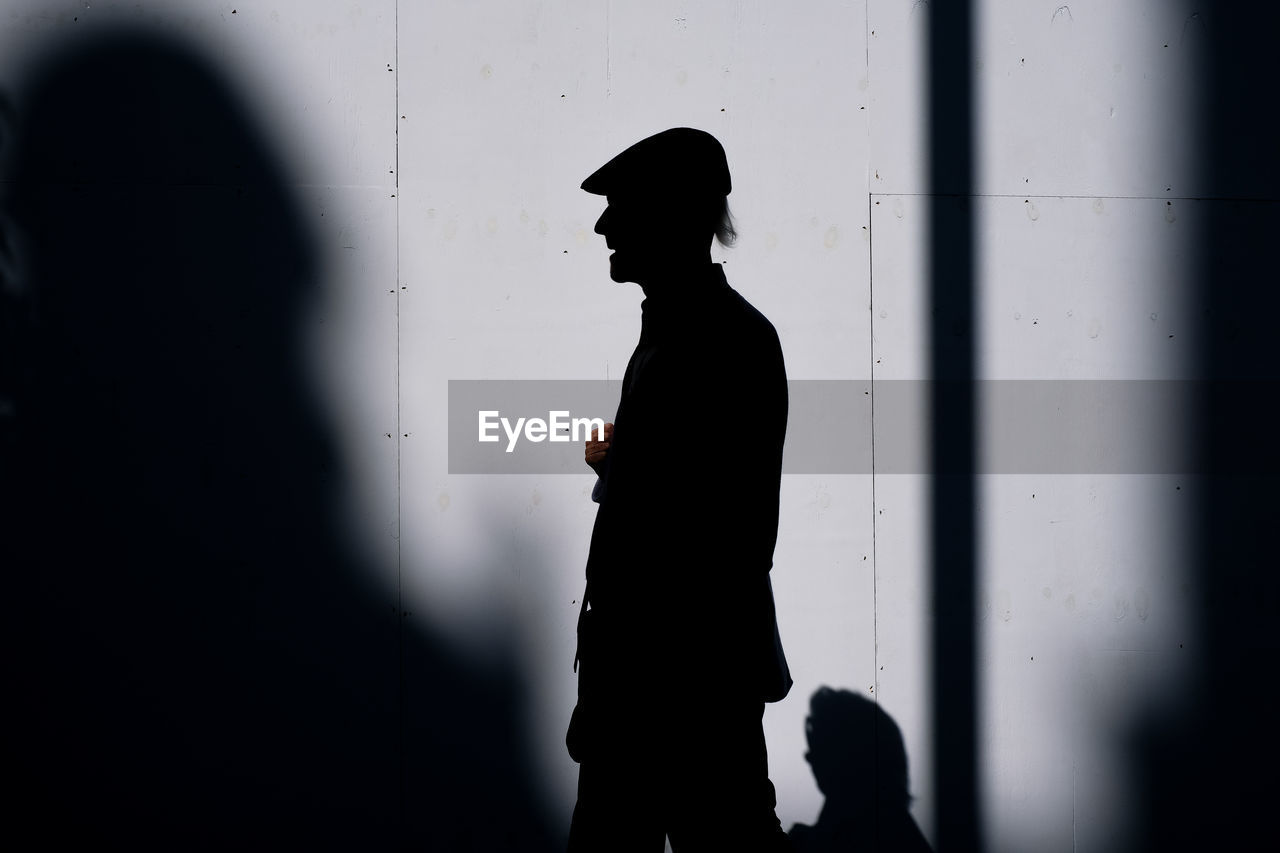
600 223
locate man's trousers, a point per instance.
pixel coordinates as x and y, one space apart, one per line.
694 771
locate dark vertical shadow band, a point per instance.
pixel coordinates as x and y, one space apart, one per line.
951 271
1205 761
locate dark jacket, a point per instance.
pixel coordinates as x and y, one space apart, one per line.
678 571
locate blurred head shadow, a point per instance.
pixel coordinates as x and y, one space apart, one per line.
196 658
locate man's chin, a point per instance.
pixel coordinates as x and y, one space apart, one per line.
618 271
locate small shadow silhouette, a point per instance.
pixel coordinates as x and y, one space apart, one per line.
860 764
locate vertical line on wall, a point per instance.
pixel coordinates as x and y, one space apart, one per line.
871 356
866 40
399 570
875 566
608 48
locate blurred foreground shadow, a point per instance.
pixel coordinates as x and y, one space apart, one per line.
194 659
1205 762
860 764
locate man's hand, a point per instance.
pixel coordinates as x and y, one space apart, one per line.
598 448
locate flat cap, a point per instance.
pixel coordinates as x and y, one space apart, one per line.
681 160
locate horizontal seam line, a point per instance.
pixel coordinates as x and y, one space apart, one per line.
1057 195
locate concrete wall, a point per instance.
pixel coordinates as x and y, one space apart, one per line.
435 152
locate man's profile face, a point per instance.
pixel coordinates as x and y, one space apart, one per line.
633 228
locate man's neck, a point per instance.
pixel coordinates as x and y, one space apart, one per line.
677 278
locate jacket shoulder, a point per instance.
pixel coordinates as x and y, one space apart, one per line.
752 325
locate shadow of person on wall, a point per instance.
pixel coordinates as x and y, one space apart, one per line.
860 764
196 658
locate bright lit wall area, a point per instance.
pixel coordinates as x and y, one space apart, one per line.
432 154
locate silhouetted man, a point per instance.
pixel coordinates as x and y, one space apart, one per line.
677 642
